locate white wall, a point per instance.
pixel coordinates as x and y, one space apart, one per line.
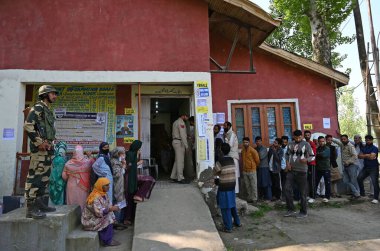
12 96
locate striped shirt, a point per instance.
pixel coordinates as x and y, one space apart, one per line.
225 169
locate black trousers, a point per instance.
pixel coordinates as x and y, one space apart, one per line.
300 180
373 172
311 178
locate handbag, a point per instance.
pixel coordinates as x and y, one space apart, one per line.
335 174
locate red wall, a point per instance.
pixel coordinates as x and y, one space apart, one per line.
121 35
274 79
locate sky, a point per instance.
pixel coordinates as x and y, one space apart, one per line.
352 60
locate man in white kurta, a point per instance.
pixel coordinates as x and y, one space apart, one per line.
231 138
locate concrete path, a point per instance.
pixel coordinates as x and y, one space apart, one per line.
175 218
367 245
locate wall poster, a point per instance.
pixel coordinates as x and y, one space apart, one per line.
124 126
81 128
88 99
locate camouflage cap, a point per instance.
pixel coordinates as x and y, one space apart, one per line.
46 89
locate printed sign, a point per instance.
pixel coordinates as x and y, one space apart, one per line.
129 111
308 126
129 140
202 84
81 128
8 133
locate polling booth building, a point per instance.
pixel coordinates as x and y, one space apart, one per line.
125 70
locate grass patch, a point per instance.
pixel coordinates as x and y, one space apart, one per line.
263 209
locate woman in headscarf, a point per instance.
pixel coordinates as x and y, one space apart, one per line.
98 213
77 174
102 166
57 184
131 180
118 165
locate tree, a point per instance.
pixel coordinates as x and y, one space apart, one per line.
310 28
351 123
365 69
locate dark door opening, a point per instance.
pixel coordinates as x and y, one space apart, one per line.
164 111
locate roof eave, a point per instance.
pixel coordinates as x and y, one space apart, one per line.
339 78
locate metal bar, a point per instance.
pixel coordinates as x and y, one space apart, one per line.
216 63
239 72
250 49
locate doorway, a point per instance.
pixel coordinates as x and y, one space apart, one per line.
163 112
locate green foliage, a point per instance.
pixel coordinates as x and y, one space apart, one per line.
350 120
295 35
263 209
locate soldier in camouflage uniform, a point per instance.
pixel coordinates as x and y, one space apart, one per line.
39 126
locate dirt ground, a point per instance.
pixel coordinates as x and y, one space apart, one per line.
338 221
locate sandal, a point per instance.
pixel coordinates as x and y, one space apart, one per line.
114 243
225 230
138 199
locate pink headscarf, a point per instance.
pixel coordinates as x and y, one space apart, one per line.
78 153
79 167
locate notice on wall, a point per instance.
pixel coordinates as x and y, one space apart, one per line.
81 128
8 134
202 148
128 140
308 126
202 124
99 99
124 126
326 123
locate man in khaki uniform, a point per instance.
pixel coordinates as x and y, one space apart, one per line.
179 134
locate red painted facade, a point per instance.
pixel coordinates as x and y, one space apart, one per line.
274 79
118 35
159 35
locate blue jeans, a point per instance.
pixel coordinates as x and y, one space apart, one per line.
350 178
227 214
373 172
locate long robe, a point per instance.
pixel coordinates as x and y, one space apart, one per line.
94 217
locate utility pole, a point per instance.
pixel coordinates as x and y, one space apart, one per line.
375 51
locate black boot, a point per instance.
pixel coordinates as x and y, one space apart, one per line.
32 211
42 206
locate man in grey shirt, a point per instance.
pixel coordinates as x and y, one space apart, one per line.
298 154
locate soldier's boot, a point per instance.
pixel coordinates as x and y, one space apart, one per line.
42 206
32 211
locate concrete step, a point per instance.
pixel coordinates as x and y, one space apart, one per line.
176 217
20 233
80 240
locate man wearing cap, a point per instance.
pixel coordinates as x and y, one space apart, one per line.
39 126
179 134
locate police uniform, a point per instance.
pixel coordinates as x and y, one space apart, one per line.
39 126
180 145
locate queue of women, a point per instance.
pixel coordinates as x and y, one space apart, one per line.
107 188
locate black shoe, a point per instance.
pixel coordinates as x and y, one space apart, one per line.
290 213
32 211
42 207
184 181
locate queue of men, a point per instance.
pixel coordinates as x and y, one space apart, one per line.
304 168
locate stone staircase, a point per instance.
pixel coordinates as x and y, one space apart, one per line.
59 231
